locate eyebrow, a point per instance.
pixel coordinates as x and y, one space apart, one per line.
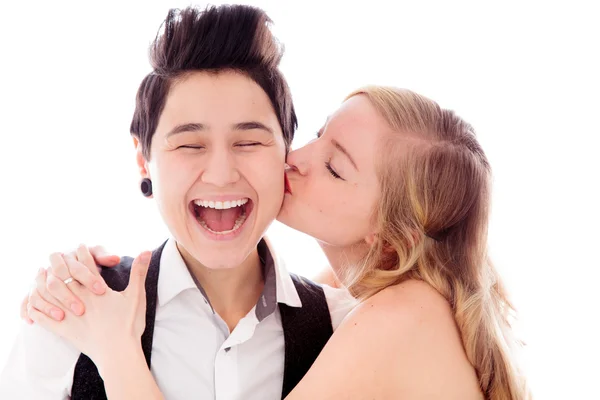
193 127
343 150
247 126
198 127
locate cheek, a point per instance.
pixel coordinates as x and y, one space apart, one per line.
359 214
265 174
313 197
172 177
347 213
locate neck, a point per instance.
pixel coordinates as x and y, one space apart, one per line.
232 292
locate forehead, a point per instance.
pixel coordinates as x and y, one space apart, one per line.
359 112
358 127
216 99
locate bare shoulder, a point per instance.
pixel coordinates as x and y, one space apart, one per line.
414 323
402 342
417 324
411 318
406 306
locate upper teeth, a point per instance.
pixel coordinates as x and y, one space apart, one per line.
220 205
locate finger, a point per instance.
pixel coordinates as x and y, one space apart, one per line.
58 266
83 269
84 256
41 287
37 302
24 315
48 302
137 276
43 320
103 257
61 292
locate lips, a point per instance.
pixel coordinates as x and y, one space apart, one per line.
288 188
222 220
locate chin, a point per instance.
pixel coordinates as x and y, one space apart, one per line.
217 261
216 256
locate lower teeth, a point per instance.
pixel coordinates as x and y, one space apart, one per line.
238 222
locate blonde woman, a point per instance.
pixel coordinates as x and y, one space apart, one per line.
404 225
397 192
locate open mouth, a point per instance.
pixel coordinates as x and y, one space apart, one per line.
222 217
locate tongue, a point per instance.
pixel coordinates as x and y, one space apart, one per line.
220 220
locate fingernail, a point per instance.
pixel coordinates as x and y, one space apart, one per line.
145 256
56 314
98 288
76 308
29 321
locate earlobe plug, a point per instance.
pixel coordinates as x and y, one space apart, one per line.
146 187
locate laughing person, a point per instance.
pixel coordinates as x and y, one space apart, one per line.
212 126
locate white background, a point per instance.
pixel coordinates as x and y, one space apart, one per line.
524 74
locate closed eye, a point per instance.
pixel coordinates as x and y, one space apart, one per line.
249 144
332 171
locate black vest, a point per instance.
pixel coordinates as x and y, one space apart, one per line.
306 329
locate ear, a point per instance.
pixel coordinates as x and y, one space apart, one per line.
140 159
371 239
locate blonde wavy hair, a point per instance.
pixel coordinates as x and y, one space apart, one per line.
432 221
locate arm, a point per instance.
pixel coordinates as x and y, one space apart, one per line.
401 343
109 332
122 367
41 364
126 375
39 367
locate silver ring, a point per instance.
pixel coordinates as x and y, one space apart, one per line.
68 280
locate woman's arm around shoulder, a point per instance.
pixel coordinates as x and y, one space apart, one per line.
402 343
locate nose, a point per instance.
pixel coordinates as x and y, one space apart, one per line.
221 169
298 161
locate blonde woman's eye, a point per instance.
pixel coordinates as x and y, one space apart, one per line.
332 171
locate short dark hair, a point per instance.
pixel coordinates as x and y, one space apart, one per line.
218 38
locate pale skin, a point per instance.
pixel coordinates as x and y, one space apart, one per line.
229 142
93 332
400 343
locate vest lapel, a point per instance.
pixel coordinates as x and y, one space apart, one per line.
87 383
151 302
306 329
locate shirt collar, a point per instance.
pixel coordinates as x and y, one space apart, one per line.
286 290
175 277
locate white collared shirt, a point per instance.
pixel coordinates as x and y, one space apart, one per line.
193 353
